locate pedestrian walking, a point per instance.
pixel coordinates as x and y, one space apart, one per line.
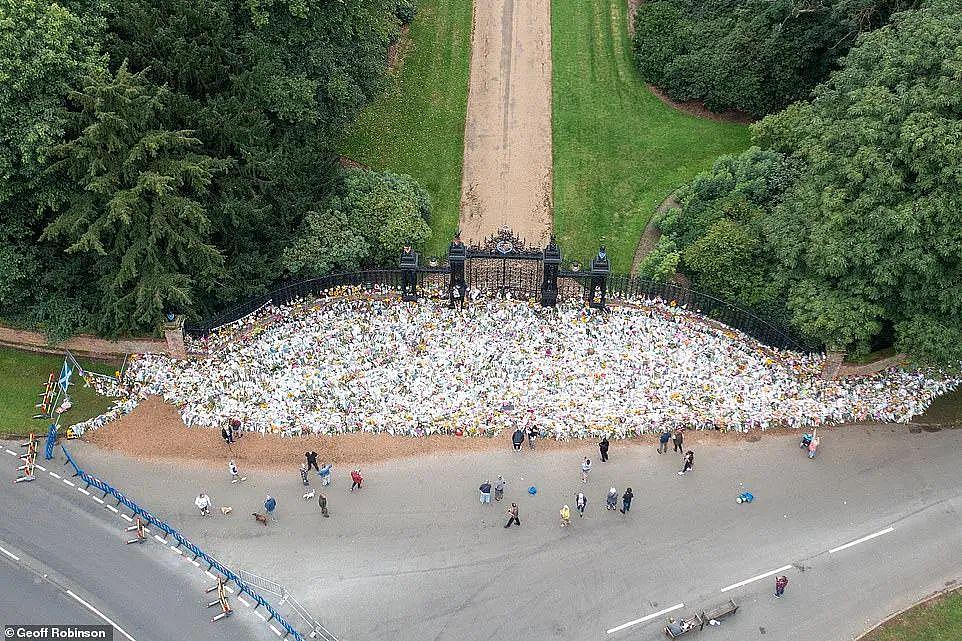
325 474
225 434
603 446
356 479
311 460
269 505
322 503
565 516
780 584
813 447
499 488
532 436
485 491
626 500
581 502
663 441
611 503
513 516
517 439
234 476
203 504
304 478
689 463
585 468
677 439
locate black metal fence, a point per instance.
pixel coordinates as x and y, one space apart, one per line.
571 286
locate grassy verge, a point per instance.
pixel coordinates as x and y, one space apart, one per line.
618 151
22 376
936 620
417 126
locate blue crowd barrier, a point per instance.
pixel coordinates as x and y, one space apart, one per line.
183 541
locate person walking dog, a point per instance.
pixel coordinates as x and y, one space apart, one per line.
269 505
203 504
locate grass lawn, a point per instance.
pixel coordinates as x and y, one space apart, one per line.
417 126
22 376
937 620
618 151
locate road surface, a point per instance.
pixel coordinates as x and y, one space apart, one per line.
63 560
414 556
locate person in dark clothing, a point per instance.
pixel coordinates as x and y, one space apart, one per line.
532 436
677 440
227 435
663 441
512 516
780 584
311 460
322 503
517 438
626 501
603 447
689 463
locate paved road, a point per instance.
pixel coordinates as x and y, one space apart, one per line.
67 543
413 556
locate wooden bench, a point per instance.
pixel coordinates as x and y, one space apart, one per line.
721 612
698 621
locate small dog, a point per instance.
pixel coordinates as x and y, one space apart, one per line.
226 510
260 518
308 495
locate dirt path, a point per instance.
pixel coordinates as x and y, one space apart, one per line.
507 134
649 239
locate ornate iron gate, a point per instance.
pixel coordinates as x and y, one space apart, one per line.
504 266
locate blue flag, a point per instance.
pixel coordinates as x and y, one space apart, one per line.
65 374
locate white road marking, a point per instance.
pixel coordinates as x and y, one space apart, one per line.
98 499
177 551
40 467
55 475
196 564
241 599
861 540
100 614
113 509
126 518
160 539
70 483
276 631
642 619
260 615
756 578
10 554
83 491
9 452
229 589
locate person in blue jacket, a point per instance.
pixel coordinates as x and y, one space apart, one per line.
269 505
663 441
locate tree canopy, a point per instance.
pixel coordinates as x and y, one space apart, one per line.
165 157
850 216
755 56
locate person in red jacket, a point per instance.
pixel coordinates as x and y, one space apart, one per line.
356 478
780 584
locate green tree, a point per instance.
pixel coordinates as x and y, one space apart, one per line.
132 193
870 230
756 56
661 263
